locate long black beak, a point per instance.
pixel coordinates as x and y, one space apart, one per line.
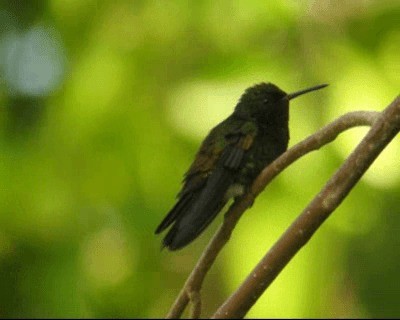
293 95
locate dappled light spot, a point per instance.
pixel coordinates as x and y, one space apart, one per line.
107 258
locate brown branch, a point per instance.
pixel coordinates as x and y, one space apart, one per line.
220 238
297 235
195 299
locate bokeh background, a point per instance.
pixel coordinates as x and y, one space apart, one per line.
103 105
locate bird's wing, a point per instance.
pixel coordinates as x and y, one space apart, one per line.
228 148
206 183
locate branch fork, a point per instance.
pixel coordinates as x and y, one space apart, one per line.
384 127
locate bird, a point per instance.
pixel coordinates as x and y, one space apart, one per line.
229 159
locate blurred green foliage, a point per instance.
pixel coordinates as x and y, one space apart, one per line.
103 105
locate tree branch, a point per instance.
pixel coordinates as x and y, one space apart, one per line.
297 235
314 142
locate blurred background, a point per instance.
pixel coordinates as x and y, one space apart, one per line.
103 105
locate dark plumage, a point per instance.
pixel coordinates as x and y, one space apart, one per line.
229 159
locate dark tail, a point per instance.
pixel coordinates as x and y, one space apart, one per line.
180 207
194 215
196 209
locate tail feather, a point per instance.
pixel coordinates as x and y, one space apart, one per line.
180 207
198 206
203 208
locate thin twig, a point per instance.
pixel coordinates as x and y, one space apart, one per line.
299 233
220 238
195 299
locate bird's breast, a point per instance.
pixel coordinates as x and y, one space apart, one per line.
265 149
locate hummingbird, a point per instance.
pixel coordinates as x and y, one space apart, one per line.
229 159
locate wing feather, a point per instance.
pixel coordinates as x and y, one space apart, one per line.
205 186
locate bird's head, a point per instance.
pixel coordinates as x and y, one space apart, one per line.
261 101
265 102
